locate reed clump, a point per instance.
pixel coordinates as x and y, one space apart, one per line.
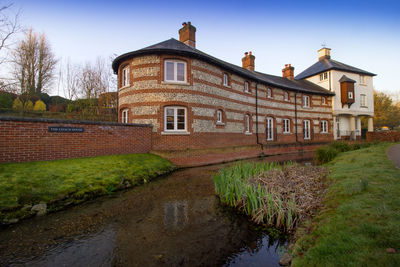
275 195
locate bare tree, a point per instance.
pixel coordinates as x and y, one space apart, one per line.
9 26
69 79
95 79
34 64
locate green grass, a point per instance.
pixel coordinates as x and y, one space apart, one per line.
327 153
361 214
74 179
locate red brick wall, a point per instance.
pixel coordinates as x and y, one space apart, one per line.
23 139
383 136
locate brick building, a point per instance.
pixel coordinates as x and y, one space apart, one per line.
197 101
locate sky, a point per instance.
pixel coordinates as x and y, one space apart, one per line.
364 34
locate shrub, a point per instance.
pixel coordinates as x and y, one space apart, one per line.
6 101
341 146
39 106
17 104
325 154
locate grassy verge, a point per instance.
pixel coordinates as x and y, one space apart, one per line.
327 153
61 183
275 195
359 224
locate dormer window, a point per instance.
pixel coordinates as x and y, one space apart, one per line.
125 76
175 71
323 76
246 87
269 93
306 101
225 82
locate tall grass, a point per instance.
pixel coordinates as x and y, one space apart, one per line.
236 187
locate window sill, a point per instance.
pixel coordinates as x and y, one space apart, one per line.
220 124
227 86
248 133
248 92
307 107
287 133
175 83
363 107
175 133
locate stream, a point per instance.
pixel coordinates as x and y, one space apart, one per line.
176 220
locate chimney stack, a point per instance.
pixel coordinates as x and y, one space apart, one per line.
288 72
324 53
187 34
248 61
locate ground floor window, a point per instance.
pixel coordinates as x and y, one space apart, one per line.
286 126
175 119
324 126
247 118
306 129
124 116
270 129
219 116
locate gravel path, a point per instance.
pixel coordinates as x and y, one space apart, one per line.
393 153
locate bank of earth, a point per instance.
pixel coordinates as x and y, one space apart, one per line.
359 222
36 188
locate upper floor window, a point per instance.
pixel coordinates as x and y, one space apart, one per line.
324 126
175 119
269 93
124 116
363 100
286 96
286 126
323 76
225 82
175 71
247 123
125 76
219 116
362 79
323 100
246 87
350 95
306 101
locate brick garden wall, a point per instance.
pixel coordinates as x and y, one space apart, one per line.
26 139
383 136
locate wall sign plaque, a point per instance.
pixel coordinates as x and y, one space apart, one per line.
62 129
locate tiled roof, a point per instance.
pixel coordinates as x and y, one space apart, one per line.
173 46
346 79
330 64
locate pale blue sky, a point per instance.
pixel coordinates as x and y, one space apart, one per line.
364 34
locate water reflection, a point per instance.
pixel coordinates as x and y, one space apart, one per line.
175 214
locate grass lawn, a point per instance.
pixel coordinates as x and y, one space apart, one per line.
361 216
73 179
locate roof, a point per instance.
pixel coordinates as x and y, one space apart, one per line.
330 64
346 79
173 46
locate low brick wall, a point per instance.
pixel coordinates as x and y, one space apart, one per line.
383 136
26 139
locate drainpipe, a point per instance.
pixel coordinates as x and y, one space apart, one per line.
295 113
258 143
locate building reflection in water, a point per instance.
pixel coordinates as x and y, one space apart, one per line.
175 214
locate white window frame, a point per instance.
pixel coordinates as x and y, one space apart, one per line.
225 79
324 126
306 129
247 123
269 93
286 96
286 126
125 76
323 76
246 87
175 108
125 116
363 100
350 95
324 102
175 62
362 79
219 116
306 101
270 128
